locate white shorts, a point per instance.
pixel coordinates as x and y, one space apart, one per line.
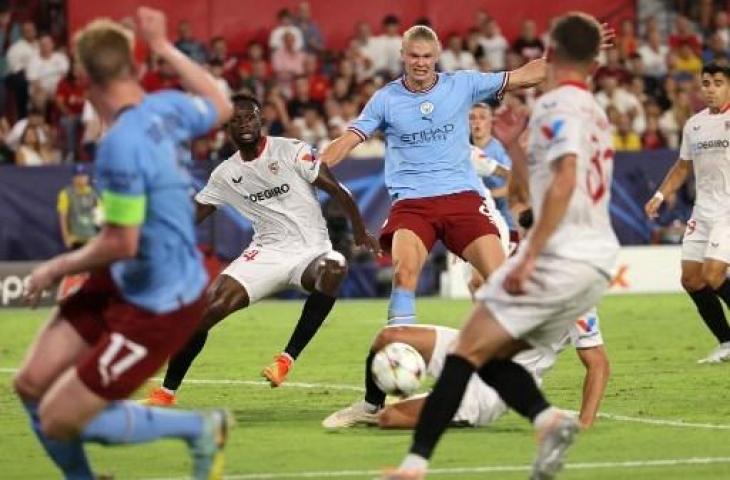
263 270
557 293
706 239
480 405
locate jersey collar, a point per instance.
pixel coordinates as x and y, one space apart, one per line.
574 83
425 90
725 108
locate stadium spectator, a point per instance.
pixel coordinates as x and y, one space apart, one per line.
259 81
672 121
624 101
473 45
275 118
652 138
626 41
69 101
454 57
364 41
93 129
33 151
319 83
188 44
716 50
219 51
301 98
77 209
614 67
686 60
625 138
311 33
684 34
18 56
287 63
161 78
45 69
9 33
254 52
654 55
35 118
285 25
385 50
310 128
528 44
216 69
721 27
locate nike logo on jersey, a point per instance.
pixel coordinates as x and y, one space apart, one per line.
237 180
696 127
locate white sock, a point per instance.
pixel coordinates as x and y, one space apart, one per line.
543 418
369 407
414 462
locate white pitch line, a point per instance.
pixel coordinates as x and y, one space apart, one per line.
354 388
671 462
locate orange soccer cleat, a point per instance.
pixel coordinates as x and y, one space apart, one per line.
276 372
159 397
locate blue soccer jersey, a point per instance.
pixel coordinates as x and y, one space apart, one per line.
427 132
494 149
141 172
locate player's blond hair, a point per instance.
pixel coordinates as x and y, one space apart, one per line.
104 50
421 32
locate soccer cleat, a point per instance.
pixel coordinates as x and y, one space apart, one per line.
720 354
553 441
404 474
276 372
159 397
207 450
349 416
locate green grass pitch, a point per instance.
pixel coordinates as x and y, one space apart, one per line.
653 343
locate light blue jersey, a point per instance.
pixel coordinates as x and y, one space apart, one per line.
427 133
141 171
494 149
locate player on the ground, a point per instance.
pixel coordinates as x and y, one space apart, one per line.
271 181
560 271
481 404
144 297
435 191
706 242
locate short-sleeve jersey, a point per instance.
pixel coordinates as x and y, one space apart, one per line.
495 150
275 192
141 170
567 120
706 143
427 132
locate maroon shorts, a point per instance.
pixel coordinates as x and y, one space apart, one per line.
128 344
457 220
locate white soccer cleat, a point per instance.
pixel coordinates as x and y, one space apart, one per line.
554 440
720 354
355 414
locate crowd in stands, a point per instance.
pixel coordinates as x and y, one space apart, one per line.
647 83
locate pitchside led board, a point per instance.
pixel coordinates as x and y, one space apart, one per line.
13 280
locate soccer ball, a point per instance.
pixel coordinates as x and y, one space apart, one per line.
398 369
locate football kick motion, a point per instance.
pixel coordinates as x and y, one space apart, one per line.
560 271
481 404
706 241
271 181
144 296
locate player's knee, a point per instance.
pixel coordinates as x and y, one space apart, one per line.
27 385
57 427
692 282
334 267
387 335
714 278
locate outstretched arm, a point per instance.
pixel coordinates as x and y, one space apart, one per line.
336 151
598 369
327 182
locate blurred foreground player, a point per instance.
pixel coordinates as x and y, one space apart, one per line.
144 298
271 181
560 271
